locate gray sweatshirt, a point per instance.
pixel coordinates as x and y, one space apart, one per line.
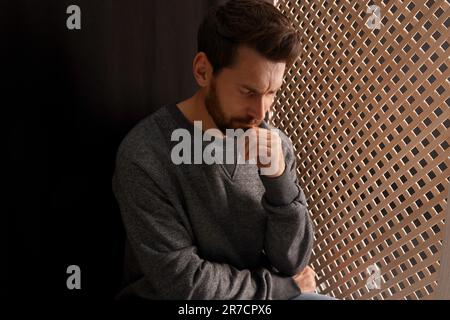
199 231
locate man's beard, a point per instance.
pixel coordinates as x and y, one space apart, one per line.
215 110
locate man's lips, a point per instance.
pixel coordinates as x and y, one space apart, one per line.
248 127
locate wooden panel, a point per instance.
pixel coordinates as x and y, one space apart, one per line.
443 292
367 111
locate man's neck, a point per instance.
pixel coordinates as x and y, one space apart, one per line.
194 109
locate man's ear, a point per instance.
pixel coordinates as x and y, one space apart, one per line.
202 69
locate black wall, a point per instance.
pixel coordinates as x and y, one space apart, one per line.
69 97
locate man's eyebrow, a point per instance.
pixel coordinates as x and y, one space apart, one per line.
255 90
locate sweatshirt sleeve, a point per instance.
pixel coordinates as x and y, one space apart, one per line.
290 233
161 240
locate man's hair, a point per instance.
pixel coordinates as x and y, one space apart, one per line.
254 23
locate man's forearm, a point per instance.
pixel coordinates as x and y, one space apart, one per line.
289 233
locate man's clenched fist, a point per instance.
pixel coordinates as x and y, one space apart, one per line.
263 147
305 280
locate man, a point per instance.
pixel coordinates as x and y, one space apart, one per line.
219 231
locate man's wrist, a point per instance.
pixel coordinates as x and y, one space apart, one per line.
282 169
281 190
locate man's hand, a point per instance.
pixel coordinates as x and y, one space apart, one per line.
264 147
305 280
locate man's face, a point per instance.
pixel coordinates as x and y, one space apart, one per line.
240 96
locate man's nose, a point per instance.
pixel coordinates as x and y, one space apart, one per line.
258 110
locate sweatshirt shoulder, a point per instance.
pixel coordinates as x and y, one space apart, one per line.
147 140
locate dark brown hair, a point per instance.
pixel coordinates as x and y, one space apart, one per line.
255 23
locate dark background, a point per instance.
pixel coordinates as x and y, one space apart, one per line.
68 99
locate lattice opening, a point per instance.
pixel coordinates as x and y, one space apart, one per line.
367 111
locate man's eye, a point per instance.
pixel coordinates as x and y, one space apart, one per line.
247 92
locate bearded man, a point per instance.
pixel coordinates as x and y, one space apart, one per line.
219 231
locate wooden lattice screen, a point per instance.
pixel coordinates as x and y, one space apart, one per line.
367 111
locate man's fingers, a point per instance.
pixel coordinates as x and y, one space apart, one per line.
262 141
264 148
306 271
